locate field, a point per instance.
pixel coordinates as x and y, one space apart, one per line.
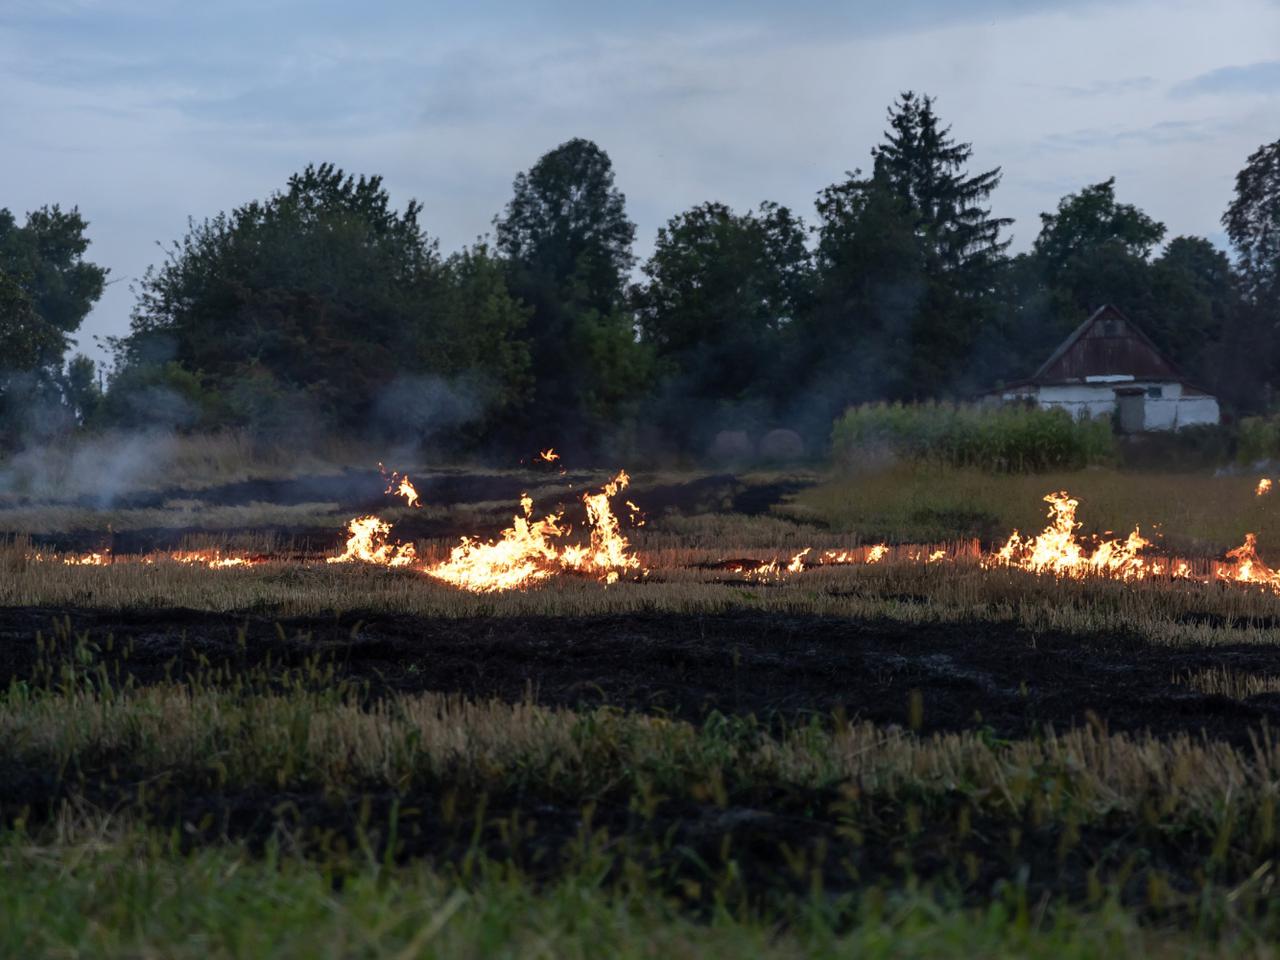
912 752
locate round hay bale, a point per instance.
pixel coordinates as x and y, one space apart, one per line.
781 445
731 446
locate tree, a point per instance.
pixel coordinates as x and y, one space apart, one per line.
44 258
1253 221
1089 221
925 167
312 302
909 261
856 342
567 237
1092 250
46 290
722 289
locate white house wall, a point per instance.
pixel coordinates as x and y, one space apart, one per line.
1171 411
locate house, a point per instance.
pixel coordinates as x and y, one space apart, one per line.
1108 366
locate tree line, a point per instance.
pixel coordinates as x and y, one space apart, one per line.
325 308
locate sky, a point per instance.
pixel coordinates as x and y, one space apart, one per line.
144 113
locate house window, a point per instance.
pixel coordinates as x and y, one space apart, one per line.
1155 393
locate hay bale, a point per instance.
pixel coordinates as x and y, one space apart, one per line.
731 446
781 445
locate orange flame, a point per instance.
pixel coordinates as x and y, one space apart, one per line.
398 485
367 543
1264 486
1247 567
528 551
549 455
1058 551
609 552
213 559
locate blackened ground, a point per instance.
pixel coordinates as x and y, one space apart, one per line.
362 492
779 667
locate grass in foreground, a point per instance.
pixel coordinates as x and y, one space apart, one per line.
111 893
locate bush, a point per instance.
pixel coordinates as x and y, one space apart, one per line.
1015 439
1258 438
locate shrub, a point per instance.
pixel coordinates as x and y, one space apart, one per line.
1258 438
1018 439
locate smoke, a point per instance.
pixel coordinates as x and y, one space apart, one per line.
428 411
97 469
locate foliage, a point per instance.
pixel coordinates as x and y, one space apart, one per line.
722 292
907 259
1252 220
567 239
56 286
1008 438
1258 439
46 289
313 300
1095 250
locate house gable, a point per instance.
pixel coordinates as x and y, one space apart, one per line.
1107 344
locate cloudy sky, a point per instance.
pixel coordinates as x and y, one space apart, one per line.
146 112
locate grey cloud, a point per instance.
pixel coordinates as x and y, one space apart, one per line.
1162 133
1099 88
1261 77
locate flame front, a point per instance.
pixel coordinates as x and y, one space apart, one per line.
1264 486
525 554
367 543
1058 551
529 550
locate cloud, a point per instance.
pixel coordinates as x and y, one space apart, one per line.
1261 78
146 111
1099 88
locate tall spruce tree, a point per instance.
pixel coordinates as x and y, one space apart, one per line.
958 250
925 167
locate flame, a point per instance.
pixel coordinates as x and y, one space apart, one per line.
528 551
877 553
406 490
1058 551
549 455
368 543
524 555
797 562
87 559
213 559
1247 567
398 485
1264 486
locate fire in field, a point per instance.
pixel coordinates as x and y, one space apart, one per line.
530 550
726 686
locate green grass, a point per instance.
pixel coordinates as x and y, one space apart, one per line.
107 893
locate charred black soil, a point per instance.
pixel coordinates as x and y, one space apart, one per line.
779 668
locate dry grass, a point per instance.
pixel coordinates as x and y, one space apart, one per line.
1222 681
1194 512
324 741
1178 613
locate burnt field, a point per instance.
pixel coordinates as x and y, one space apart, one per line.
719 696
783 669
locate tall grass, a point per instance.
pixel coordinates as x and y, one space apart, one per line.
1014 439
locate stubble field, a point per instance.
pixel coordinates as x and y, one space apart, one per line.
900 756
